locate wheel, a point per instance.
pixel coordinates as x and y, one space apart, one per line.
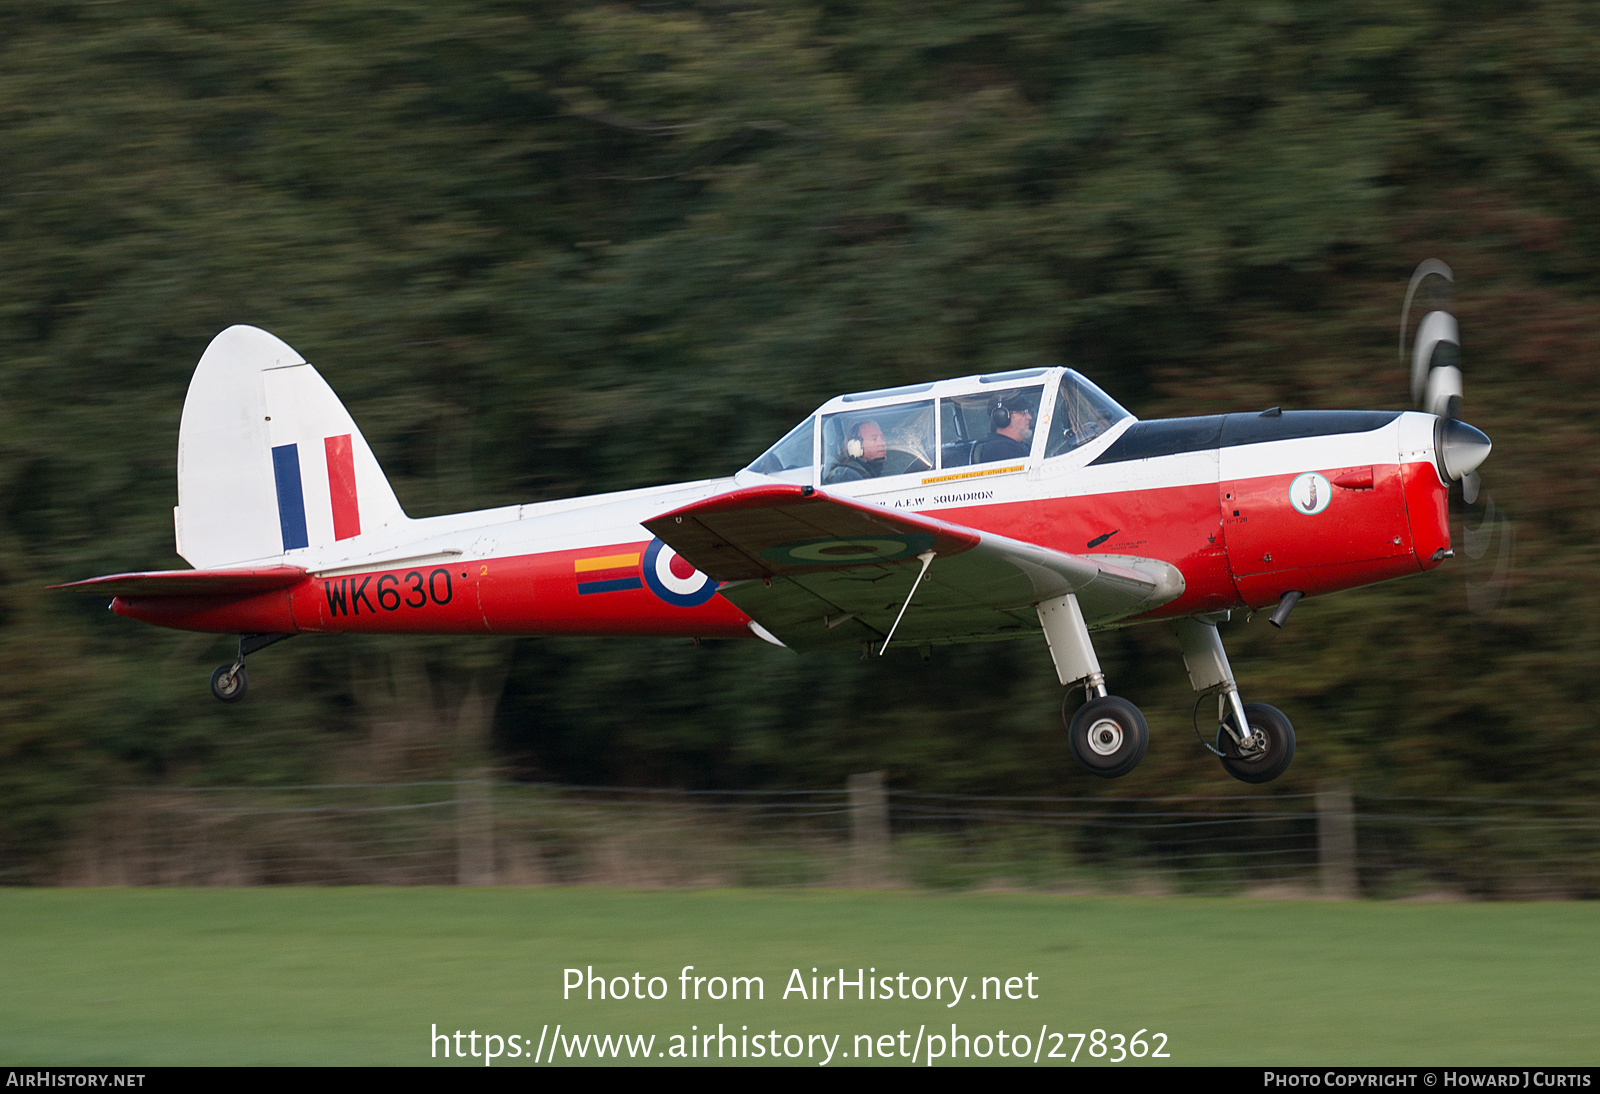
1273 733
1108 736
229 685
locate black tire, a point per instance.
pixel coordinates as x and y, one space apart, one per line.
228 685
1108 736
1278 732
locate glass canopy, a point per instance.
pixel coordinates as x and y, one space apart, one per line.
920 428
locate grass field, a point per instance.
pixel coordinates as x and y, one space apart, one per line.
296 975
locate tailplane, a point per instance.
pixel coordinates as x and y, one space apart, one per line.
270 464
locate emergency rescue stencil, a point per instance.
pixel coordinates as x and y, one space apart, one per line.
1310 494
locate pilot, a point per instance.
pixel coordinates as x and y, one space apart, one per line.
865 450
1010 433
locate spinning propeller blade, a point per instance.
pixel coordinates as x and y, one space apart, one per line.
1436 387
1494 530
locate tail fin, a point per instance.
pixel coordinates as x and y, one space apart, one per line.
270 464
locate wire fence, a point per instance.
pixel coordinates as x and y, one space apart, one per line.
482 832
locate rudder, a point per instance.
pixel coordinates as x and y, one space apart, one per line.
270 464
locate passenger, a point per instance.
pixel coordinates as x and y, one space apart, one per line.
1010 433
865 450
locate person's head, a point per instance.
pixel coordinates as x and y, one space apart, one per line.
1017 419
868 443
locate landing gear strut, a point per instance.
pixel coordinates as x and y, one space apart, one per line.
230 682
1107 735
1254 741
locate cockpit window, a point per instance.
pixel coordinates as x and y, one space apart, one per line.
877 443
989 426
993 426
790 459
1082 413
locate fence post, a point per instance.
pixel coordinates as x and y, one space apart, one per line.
474 830
1336 841
869 828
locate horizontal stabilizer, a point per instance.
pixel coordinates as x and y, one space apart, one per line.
192 582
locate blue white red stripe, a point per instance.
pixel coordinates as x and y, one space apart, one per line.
342 497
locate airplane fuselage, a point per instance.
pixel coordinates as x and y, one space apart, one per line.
1245 506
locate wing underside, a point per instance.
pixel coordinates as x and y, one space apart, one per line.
819 571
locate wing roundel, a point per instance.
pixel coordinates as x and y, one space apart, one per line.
769 531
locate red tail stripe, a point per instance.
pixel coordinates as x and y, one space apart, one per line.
342 487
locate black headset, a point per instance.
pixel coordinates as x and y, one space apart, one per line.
999 414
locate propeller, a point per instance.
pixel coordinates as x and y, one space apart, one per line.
1436 387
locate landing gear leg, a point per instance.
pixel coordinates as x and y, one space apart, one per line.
1254 741
230 682
1107 735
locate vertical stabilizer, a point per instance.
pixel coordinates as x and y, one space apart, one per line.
270 464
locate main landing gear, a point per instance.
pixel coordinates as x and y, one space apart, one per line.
1265 752
1254 741
230 682
1108 735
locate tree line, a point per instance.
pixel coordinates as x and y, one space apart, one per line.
561 248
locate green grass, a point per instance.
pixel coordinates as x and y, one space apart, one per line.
295 975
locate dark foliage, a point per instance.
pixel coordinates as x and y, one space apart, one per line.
569 248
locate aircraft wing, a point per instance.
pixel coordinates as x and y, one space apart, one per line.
820 571
242 582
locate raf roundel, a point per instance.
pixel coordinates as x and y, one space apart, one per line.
1310 494
852 551
672 579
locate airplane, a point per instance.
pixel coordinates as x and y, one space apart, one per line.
1018 504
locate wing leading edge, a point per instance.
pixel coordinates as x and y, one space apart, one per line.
821 571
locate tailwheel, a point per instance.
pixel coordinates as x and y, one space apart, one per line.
1266 753
229 683
1108 736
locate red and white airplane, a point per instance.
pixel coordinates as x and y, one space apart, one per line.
1020 504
